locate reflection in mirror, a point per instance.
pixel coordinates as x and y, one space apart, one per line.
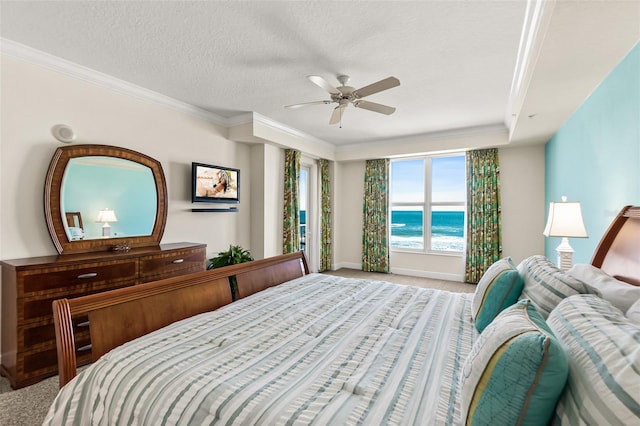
92 184
73 226
84 180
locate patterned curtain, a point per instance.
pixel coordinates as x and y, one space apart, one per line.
375 243
325 217
291 219
484 233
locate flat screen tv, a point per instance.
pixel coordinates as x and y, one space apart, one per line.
214 184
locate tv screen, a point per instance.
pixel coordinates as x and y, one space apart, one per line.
215 184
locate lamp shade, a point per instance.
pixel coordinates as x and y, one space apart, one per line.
565 220
107 216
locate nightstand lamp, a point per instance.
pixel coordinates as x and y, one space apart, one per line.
106 216
565 220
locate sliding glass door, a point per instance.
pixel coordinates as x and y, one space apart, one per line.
304 202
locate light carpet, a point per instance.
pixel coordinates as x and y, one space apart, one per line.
28 406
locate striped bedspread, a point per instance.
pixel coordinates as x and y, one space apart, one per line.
316 350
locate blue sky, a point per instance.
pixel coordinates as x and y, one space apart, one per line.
407 182
448 174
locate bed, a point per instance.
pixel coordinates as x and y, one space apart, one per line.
305 348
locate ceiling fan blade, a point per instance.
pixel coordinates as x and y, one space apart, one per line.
372 106
336 116
323 84
381 85
294 106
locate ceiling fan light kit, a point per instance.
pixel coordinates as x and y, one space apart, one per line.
344 95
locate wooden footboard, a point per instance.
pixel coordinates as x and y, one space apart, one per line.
118 316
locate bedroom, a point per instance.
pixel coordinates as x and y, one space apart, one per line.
37 96
44 89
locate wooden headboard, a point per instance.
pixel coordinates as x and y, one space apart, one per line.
118 316
618 253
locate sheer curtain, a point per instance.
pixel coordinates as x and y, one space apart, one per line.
291 219
484 233
375 232
325 217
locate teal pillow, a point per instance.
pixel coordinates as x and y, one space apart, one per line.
515 372
499 288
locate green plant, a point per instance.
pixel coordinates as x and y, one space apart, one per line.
233 256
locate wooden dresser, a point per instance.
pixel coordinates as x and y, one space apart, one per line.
29 286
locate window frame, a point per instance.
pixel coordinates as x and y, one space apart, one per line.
427 207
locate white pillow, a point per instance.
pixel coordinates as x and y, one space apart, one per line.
546 285
604 363
621 295
633 313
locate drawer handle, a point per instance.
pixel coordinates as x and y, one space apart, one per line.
89 275
83 324
178 261
84 348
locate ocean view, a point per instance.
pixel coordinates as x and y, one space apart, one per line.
447 227
406 230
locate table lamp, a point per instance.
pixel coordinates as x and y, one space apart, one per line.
106 216
565 220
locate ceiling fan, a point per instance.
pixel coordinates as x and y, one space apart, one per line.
344 95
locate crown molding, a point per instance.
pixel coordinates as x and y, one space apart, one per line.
494 128
536 21
257 118
54 63
275 125
240 119
22 52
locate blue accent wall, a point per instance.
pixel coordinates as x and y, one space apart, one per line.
595 156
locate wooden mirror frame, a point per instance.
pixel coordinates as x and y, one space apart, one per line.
54 215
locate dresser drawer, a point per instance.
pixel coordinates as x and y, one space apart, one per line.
34 366
82 278
40 307
42 334
171 264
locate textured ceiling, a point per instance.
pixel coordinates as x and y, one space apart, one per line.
455 60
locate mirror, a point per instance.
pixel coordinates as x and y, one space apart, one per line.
93 185
99 196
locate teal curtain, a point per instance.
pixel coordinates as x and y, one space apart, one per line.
291 219
325 217
484 233
375 235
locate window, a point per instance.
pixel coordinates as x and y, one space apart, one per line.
428 193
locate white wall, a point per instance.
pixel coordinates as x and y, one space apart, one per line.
523 206
274 203
267 167
522 197
349 193
34 99
257 185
